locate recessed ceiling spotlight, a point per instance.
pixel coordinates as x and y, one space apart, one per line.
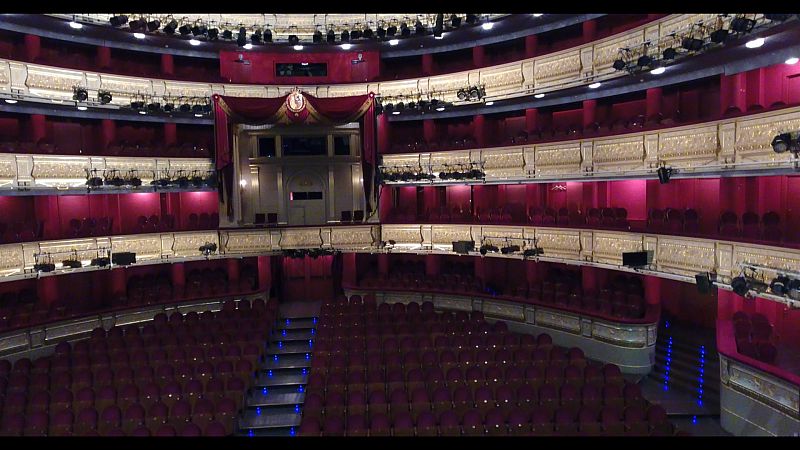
487 25
658 70
594 85
248 46
538 96
298 47
489 103
538 15
139 35
441 36
10 101
198 115
395 112
75 25
194 42
441 108
142 112
346 46
791 61
394 41
303 63
755 43
82 108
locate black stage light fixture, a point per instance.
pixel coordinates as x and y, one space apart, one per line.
381 32
378 109
153 25
241 38
404 30
227 34
317 37
786 142
619 64
439 26
118 21
793 289
424 105
472 19
213 34
474 92
331 37
137 104
199 30
704 282
171 26
777 17
509 249
719 36
644 61
692 44
293 39
345 36
197 109
355 34
389 107
184 30
185 108
531 252
101 261
780 285
80 94
669 53
154 107
267 35
400 106
664 173
44 267
255 38
419 28
411 106
462 94
368 33
138 25
391 30
169 107
742 25
455 21
740 286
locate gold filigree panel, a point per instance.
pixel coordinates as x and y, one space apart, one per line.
300 238
11 257
609 247
61 169
147 246
352 237
696 144
248 242
447 234
188 244
558 67
559 243
606 52
766 257
685 256
409 235
564 158
609 154
754 136
8 169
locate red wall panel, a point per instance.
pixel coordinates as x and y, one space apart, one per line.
261 69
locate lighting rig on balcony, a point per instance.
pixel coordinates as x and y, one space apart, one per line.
532 251
313 253
754 281
208 249
655 56
43 262
787 142
471 171
165 179
420 103
407 173
152 104
471 93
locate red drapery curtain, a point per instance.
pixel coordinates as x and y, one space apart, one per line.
327 111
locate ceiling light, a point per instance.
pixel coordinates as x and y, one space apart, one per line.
10 101
298 47
440 108
198 115
755 43
538 96
538 15
441 36
489 103
242 182
82 108
395 112
658 70
594 85
142 112
248 46
303 63
394 41
139 35
791 61
76 25
487 26
194 42
346 46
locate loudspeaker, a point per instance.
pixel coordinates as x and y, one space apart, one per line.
463 247
637 259
123 258
260 219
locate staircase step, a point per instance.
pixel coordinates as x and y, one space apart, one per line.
292 335
295 324
252 420
293 361
256 398
280 379
289 348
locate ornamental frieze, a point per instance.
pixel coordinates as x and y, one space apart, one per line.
300 238
246 242
693 144
685 256
609 247
558 67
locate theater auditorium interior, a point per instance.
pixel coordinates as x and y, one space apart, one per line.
555 224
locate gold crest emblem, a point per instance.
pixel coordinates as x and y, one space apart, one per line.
295 101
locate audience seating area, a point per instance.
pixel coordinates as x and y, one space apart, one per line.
20 231
622 299
753 333
180 375
750 227
117 148
407 370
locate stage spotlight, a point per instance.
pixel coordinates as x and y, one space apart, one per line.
104 97
742 25
153 25
154 107
669 53
664 173
213 34
419 28
455 21
462 94
138 25
389 107
719 36
644 61
345 36
171 26
531 252
267 35
355 34
293 39
740 286
185 108
169 107
241 39
331 37
793 289
439 26
400 106
509 249
381 32
118 21
423 105
780 285
255 38
692 44
367 33
619 65
80 94
472 18
184 30
786 142
404 30
137 104
411 106
197 109
317 37
227 35
391 30
199 30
